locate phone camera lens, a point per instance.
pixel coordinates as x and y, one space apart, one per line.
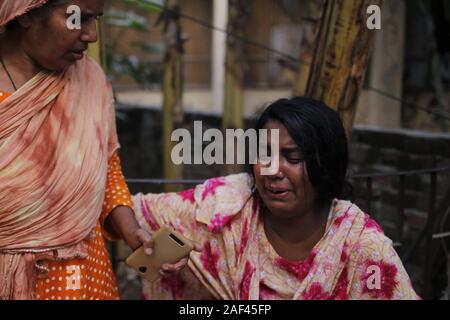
143 269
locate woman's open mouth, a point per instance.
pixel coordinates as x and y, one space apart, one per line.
78 55
277 194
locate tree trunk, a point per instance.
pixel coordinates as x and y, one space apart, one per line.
312 27
96 50
233 112
172 90
341 56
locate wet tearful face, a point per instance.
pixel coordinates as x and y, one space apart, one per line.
287 192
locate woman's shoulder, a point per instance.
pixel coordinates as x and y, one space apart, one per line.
89 62
371 236
89 71
221 199
228 183
227 190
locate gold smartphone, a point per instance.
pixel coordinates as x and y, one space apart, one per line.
169 248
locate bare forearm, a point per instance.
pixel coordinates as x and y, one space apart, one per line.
123 222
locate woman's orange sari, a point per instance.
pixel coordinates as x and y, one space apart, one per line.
57 133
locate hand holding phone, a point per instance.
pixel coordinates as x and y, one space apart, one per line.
169 248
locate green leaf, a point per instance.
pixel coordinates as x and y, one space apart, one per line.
149 47
127 19
156 6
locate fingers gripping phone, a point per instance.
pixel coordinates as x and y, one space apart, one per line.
169 248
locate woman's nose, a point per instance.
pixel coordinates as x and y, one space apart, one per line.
89 33
278 175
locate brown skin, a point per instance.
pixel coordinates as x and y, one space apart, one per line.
293 222
47 44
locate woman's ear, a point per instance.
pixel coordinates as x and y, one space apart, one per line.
25 21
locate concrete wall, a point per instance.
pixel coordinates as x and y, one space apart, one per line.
201 100
379 150
385 71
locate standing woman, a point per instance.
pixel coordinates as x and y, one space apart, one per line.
61 185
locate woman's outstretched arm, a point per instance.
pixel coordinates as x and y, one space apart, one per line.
118 219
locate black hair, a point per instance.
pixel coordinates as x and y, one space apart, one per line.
319 133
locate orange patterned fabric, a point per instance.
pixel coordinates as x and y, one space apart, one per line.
91 278
3 95
81 279
55 143
117 193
